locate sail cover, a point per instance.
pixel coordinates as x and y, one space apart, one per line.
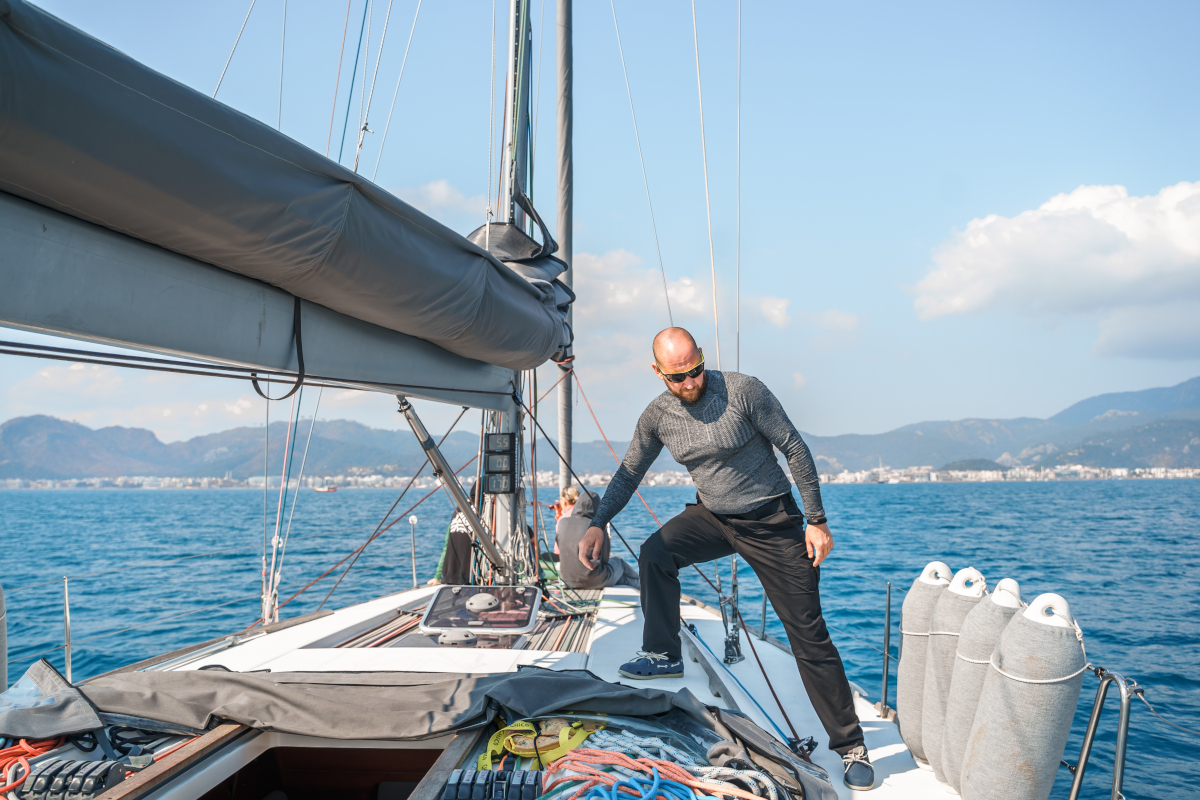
88 131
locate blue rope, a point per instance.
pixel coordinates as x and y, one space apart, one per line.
696 633
644 788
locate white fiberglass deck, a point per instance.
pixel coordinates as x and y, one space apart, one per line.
615 638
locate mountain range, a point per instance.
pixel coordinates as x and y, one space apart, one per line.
1149 428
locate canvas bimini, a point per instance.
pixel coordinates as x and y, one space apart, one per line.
139 213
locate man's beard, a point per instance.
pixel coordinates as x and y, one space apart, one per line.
690 396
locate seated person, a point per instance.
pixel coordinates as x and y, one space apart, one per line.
563 508
611 571
454 567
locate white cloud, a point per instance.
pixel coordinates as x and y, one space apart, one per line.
775 311
445 203
798 380
1131 263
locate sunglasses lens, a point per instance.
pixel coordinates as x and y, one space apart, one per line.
680 377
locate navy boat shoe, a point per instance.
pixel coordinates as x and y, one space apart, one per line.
860 775
652 665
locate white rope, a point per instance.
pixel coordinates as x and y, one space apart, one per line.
1009 675
943 633
912 633
712 256
363 130
282 53
961 657
234 50
645 180
487 219
737 339
337 81
395 93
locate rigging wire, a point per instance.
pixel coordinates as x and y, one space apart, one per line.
380 529
395 93
362 95
737 339
363 130
487 220
645 180
712 256
266 482
537 101
278 575
234 50
337 81
289 447
353 74
282 53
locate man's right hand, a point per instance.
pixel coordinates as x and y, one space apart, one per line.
590 547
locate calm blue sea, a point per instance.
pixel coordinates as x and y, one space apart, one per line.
1125 554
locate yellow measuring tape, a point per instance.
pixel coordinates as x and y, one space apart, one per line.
519 739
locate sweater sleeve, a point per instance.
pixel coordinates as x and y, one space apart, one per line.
768 416
643 449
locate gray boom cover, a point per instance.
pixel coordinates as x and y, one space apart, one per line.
944 626
976 641
910 674
88 131
1020 729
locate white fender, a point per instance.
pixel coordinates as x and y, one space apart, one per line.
1050 609
1007 594
936 573
969 582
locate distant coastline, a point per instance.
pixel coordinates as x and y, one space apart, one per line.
547 480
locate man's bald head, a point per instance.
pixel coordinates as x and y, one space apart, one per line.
675 345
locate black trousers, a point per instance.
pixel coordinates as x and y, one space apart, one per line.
771 540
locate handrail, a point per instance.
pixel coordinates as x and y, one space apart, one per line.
1128 689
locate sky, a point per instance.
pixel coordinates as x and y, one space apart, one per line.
946 210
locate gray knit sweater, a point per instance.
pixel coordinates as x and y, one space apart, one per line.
724 439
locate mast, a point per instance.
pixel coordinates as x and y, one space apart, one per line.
565 221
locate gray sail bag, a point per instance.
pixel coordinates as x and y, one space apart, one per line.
949 614
1024 716
910 674
976 641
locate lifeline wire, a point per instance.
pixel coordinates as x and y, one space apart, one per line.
646 180
337 81
391 110
234 50
363 130
712 256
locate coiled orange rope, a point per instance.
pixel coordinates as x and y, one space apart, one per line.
20 753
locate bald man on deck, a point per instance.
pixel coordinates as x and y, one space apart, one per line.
722 426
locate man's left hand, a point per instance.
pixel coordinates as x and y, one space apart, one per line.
820 542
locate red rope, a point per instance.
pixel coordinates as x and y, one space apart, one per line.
556 383
20 753
610 448
368 541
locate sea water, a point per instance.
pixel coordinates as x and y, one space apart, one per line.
152 571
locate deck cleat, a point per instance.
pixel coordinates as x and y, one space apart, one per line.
652 665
